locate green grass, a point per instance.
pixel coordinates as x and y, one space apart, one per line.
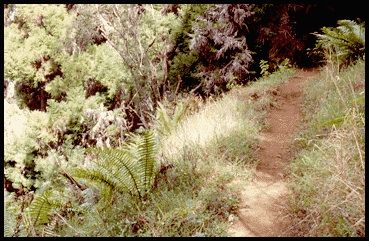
328 174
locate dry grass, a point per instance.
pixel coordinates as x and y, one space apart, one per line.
330 172
215 143
237 112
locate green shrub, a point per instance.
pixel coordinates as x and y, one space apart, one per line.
166 123
345 43
131 169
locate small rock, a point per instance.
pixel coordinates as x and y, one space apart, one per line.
232 218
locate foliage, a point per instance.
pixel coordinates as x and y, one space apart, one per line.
346 42
181 205
39 210
140 35
33 48
85 121
216 127
10 215
38 31
44 212
106 127
87 76
26 134
264 68
183 61
83 46
219 40
83 31
194 196
166 123
285 64
274 35
131 169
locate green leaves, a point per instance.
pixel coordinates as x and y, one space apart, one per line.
166 123
146 161
219 39
40 209
131 169
346 42
37 31
264 66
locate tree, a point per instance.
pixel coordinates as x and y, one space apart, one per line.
33 48
183 61
140 35
220 40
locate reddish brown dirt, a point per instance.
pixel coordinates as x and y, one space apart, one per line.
263 207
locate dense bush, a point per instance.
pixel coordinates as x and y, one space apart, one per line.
183 61
220 41
345 43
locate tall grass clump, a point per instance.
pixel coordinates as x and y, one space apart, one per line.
329 176
224 130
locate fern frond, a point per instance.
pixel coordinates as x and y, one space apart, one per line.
163 120
347 41
146 159
131 169
93 175
179 113
9 225
40 208
166 123
9 218
124 165
48 231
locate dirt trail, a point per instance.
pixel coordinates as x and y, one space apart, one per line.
263 202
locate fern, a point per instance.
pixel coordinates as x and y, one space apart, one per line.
8 230
9 220
131 169
97 175
48 231
165 123
40 209
346 42
9 224
285 64
163 120
146 160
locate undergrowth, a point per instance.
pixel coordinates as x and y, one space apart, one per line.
193 194
329 178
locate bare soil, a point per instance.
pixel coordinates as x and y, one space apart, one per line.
263 208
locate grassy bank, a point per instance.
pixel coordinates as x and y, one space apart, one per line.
196 196
329 178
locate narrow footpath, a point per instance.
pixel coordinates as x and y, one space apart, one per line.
263 207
